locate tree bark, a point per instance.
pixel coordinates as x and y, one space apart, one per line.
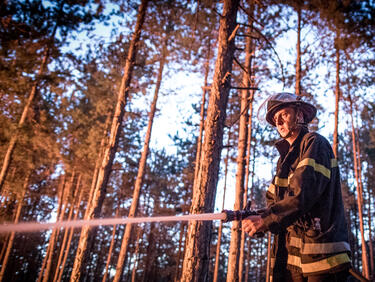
141 169
180 251
196 260
136 252
67 230
337 96
220 231
236 250
13 234
110 250
110 151
21 122
365 267
71 232
202 113
298 61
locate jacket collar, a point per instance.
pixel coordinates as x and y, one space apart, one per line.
283 146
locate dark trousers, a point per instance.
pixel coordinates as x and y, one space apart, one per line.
293 276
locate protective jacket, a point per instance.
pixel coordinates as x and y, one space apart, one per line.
305 209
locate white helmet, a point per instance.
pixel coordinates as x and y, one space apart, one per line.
282 100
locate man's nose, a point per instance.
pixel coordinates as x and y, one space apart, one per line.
279 120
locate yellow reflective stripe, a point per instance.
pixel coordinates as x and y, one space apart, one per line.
317 167
322 265
295 242
294 260
334 163
283 182
319 248
326 264
271 189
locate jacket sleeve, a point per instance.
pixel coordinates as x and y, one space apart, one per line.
306 184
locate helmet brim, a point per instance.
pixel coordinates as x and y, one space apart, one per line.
308 110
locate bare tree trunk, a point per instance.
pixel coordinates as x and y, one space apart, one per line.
59 199
150 253
180 251
99 159
136 253
16 219
141 170
110 151
337 96
235 242
55 232
196 259
21 122
219 235
365 267
67 230
202 113
110 249
298 61
71 232
247 82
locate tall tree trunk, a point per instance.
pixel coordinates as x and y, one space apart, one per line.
71 232
141 169
180 251
16 219
198 241
104 172
365 267
99 159
67 230
150 253
61 188
21 122
235 243
110 249
55 233
220 232
337 95
298 61
247 82
202 112
136 253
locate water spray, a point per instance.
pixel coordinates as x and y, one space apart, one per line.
225 215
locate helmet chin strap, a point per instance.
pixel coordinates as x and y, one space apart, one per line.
297 125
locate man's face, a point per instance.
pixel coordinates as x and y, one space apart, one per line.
285 120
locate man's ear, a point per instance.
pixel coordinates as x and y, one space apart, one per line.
299 117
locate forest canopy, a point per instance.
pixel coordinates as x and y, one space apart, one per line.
147 108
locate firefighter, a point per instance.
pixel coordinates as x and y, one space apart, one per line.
304 204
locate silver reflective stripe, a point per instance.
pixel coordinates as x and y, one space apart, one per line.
319 248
